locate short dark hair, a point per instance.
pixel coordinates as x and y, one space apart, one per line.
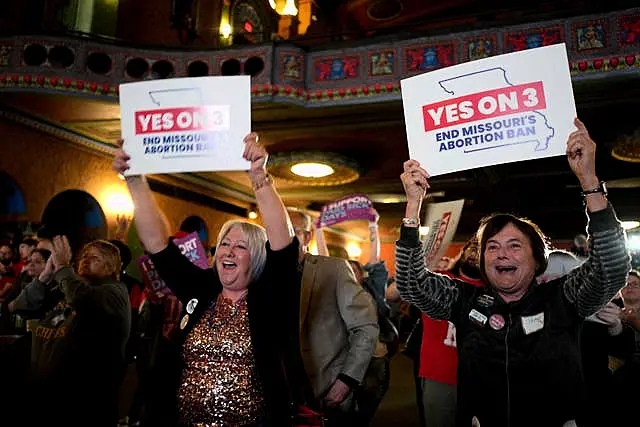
494 223
634 273
45 254
30 241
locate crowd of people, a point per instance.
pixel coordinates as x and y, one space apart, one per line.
509 333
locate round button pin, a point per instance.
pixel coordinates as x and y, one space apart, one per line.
496 322
191 305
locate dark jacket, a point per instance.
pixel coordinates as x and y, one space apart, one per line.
519 362
77 358
267 320
602 393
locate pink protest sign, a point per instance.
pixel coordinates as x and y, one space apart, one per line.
192 248
156 287
350 208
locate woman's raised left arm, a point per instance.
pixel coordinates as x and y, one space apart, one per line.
274 214
596 281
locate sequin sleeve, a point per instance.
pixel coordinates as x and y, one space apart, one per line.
185 279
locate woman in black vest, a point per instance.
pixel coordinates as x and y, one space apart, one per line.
518 342
232 347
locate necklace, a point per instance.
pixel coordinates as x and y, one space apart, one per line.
225 310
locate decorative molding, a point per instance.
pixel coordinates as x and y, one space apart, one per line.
479 47
629 31
530 38
96 147
363 74
590 36
93 145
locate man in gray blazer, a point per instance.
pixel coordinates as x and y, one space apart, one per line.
338 326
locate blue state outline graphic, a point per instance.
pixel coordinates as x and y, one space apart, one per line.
541 145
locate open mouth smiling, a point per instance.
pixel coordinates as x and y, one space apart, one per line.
228 265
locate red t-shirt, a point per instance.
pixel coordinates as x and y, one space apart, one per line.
438 353
18 267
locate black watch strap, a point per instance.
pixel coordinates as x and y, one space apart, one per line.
602 188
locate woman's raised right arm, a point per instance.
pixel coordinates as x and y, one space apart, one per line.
150 223
432 293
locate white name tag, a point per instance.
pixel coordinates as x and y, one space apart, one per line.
477 317
532 324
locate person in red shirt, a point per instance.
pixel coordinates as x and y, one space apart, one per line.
439 355
24 251
438 362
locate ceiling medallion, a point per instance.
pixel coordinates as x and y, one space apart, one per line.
384 10
316 165
627 148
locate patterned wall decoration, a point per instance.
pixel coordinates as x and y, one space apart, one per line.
629 31
382 63
291 66
421 58
5 54
531 38
599 46
336 68
590 36
480 47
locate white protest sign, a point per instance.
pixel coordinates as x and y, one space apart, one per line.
186 125
500 109
442 220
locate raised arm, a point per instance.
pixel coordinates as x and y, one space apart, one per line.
108 300
150 224
432 293
374 238
597 280
273 212
321 243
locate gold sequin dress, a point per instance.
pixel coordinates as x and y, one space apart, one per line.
220 384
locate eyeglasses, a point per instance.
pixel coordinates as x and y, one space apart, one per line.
633 284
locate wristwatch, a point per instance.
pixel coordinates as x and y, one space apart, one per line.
602 188
411 222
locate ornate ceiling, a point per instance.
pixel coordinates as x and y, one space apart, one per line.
367 128
374 136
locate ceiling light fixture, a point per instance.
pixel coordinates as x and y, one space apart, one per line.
312 169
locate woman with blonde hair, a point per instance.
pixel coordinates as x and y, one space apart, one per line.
237 361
